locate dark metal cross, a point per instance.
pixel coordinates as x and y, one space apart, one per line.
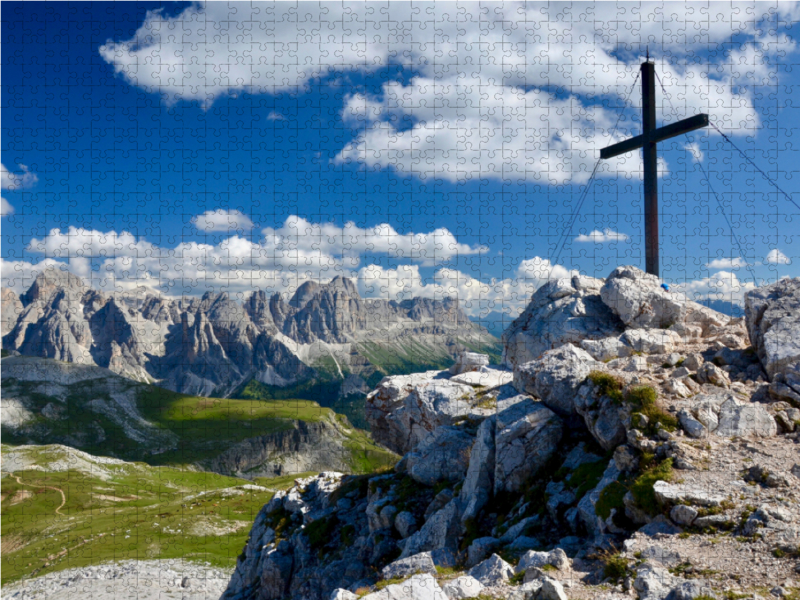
651 135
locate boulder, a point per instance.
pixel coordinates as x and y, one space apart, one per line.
638 299
404 409
556 377
711 373
605 418
586 507
479 482
653 582
486 377
552 590
651 341
469 361
462 587
683 515
556 558
419 563
405 523
516 530
480 548
340 594
607 348
691 426
772 315
442 455
678 493
562 311
527 435
440 531
418 587
493 571
740 419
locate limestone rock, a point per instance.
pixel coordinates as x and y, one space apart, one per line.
480 548
556 377
586 507
654 583
340 594
772 314
479 481
711 373
405 523
552 590
469 361
739 419
418 587
640 301
683 515
462 587
492 571
560 312
556 558
418 563
440 531
527 434
651 341
606 349
442 455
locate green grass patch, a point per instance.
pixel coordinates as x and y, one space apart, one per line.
642 487
586 476
607 385
610 498
644 400
615 566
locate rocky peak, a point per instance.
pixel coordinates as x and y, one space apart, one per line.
304 293
344 285
11 307
51 281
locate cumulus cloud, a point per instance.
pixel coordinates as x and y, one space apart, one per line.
727 263
223 220
482 102
17 181
776 257
5 208
723 285
602 237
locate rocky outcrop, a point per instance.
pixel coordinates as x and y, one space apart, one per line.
636 444
10 307
560 312
772 313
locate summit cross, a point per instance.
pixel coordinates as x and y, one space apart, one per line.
647 141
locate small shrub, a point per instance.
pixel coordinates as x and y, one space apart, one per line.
642 487
319 532
607 385
615 566
386 582
610 498
643 399
517 578
548 568
586 476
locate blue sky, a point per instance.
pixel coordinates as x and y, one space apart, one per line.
423 150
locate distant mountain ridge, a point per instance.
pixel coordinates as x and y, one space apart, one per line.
214 345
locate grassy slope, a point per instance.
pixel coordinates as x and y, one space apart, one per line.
140 512
205 427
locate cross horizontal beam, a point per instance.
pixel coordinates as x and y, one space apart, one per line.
658 135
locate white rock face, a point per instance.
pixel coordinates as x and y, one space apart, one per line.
772 314
640 301
560 312
479 482
740 419
531 559
485 377
651 341
466 362
442 455
556 377
462 587
341 594
527 435
419 563
418 587
404 409
492 571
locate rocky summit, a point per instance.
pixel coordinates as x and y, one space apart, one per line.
215 345
634 444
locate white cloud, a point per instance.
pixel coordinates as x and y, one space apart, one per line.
223 220
5 208
480 103
602 237
275 116
17 181
723 285
695 151
776 257
727 263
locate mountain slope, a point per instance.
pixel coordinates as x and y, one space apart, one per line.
93 409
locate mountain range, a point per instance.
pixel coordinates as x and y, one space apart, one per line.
263 346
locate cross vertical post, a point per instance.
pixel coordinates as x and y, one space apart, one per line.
650 159
648 142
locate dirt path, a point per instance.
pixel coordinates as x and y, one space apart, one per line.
49 487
